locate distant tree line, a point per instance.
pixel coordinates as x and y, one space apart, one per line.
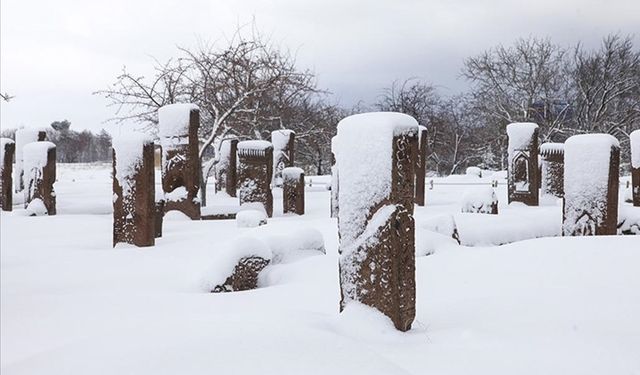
75 146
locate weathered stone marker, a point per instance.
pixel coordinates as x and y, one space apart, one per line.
242 264
591 163
226 167
552 166
523 163
7 152
293 190
39 174
334 180
255 171
23 137
375 221
283 152
178 131
421 164
134 208
635 166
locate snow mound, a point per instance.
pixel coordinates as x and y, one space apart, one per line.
173 123
520 134
292 173
36 208
280 138
479 200
251 218
474 171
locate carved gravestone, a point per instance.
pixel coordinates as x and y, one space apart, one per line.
421 165
178 131
591 163
255 171
334 181
635 166
375 222
226 168
24 137
293 190
7 151
523 163
283 152
244 276
39 174
134 208
552 166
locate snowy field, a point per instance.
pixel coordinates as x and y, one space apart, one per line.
71 304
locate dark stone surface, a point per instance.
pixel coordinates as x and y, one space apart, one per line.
159 218
421 165
226 176
255 170
635 186
245 275
6 177
292 193
134 213
523 170
552 169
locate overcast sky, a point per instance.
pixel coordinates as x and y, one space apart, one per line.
55 53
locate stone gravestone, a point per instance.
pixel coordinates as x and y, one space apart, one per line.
591 163
134 206
283 152
178 131
226 168
375 222
635 166
255 171
39 174
552 166
334 181
421 165
293 190
7 151
23 137
523 163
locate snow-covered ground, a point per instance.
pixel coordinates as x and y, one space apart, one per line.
71 304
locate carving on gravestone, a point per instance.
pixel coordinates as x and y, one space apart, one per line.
255 171
523 163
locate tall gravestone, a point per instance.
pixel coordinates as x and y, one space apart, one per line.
39 175
283 152
591 163
23 137
293 190
421 165
334 180
134 206
178 131
523 163
255 171
7 151
552 169
375 222
635 166
226 168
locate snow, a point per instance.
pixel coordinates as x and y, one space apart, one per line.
34 159
254 145
173 123
280 138
128 148
479 200
586 173
364 164
634 139
177 195
474 171
251 218
520 135
292 173
36 208
550 148
23 137
73 305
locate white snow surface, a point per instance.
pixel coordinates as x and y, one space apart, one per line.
73 305
551 147
173 121
364 146
251 218
35 156
292 173
23 137
254 145
280 138
474 171
128 148
634 139
520 134
478 199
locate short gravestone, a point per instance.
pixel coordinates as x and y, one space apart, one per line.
39 174
283 152
7 152
591 163
635 166
239 267
334 181
134 207
226 167
523 163
24 137
421 165
255 171
178 131
375 222
552 166
293 190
